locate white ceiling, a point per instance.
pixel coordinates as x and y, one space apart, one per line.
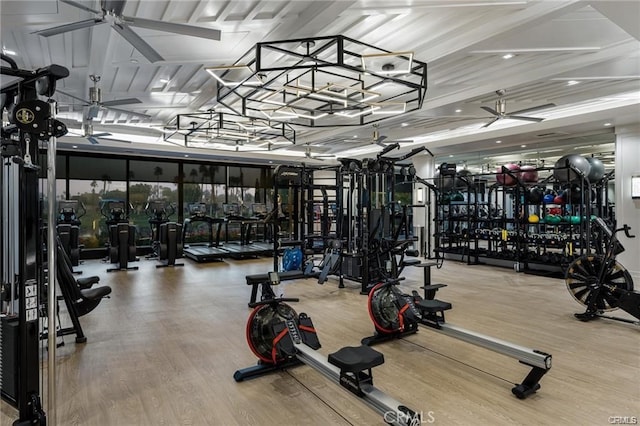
595 43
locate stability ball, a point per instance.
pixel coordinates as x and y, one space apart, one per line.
558 199
528 174
444 182
548 198
534 195
566 174
505 179
597 170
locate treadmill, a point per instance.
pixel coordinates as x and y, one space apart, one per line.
209 251
245 247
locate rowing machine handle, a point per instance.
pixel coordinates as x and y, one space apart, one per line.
274 301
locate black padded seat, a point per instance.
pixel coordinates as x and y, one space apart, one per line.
87 282
96 293
355 359
411 262
433 306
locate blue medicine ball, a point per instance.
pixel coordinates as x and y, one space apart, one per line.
292 259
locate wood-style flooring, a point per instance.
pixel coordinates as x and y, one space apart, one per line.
163 349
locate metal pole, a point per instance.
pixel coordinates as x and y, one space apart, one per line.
51 277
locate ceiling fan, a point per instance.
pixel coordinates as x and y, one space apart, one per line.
89 135
111 12
500 111
376 139
95 104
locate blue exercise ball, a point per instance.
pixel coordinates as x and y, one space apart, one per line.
292 259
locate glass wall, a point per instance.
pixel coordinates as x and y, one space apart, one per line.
151 181
96 180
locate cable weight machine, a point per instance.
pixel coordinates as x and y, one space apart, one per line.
31 120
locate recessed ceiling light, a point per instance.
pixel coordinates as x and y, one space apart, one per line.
508 56
164 80
8 52
523 146
355 136
133 60
572 82
404 124
270 162
607 124
498 141
186 155
450 155
75 147
458 110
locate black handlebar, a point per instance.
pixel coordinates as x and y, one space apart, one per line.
275 301
626 228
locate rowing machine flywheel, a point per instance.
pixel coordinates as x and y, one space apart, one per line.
260 334
384 308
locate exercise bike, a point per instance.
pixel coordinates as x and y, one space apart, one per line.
68 227
600 283
122 236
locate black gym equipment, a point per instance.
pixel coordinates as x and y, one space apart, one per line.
600 283
210 250
281 338
166 235
122 236
244 247
32 127
68 227
396 315
80 296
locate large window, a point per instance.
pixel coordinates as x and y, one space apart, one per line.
94 181
151 181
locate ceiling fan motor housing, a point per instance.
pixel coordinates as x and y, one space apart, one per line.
95 95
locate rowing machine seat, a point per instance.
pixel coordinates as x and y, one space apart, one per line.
355 359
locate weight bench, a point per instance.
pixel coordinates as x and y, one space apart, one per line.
262 281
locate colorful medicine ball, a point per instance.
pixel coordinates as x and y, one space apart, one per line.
534 218
505 179
548 198
571 167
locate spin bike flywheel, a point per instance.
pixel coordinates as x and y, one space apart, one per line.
260 332
384 308
582 278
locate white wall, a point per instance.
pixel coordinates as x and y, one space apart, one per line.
628 210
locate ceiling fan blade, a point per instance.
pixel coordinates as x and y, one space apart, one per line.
99 135
522 117
124 111
189 30
79 6
533 109
87 23
73 97
491 122
93 140
380 139
127 101
138 43
490 110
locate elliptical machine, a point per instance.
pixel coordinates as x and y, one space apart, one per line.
68 227
122 236
166 235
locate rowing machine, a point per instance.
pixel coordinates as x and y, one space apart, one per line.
396 315
281 338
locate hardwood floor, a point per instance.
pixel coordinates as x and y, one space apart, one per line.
163 350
